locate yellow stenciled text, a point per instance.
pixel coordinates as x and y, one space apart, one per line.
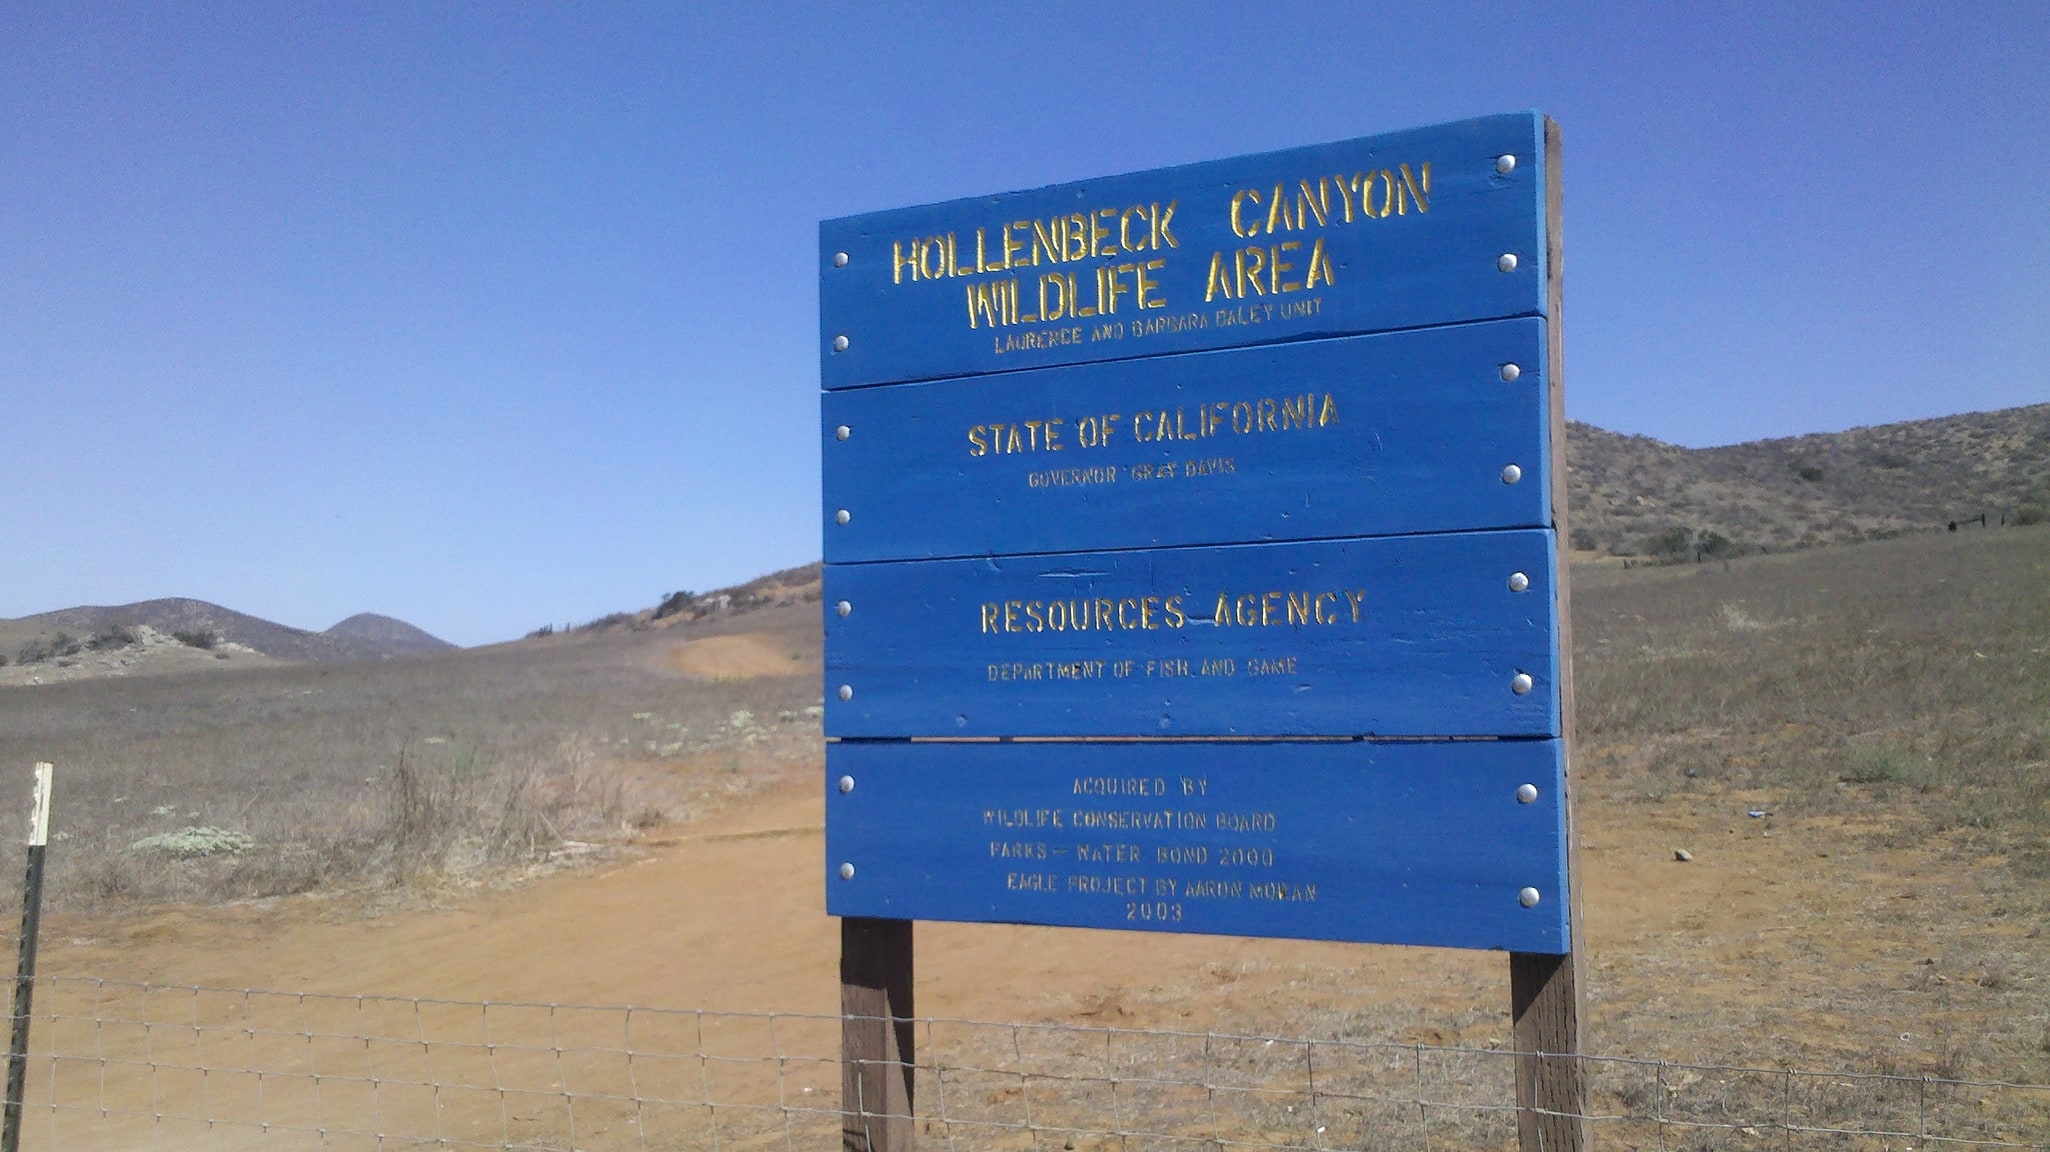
1282 265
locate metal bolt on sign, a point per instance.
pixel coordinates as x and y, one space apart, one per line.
1506 262
846 691
847 873
843 607
1529 897
1518 582
1520 683
1505 163
1510 475
847 784
843 515
1525 793
840 258
1509 374
842 432
840 342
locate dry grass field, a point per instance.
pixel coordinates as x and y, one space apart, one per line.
1853 745
377 776
1850 745
1880 715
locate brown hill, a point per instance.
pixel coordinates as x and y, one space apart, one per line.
1631 496
51 636
384 636
1635 496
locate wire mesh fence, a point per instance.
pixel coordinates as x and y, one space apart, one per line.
123 1066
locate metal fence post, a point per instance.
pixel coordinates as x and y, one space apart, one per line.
25 961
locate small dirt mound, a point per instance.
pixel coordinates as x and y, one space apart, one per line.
746 656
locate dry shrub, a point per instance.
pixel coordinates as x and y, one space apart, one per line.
1891 764
443 813
457 813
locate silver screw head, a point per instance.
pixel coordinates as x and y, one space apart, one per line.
842 432
1529 897
847 873
1525 793
846 691
1510 475
1509 374
1506 262
843 607
1505 163
1520 684
843 515
840 258
1518 582
847 784
840 342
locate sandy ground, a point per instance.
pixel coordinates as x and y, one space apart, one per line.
1789 941
1795 946
743 656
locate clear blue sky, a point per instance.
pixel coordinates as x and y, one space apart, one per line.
493 315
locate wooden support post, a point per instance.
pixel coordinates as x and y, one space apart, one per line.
1551 1084
1544 990
877 1035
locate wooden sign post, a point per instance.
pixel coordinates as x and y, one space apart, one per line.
1238 489
877 1040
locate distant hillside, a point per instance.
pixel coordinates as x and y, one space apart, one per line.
45 637
1632 495
1636 496
386 636
791 585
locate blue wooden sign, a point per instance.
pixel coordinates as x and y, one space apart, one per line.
1361 436
1192 549
1438 635
1411 229
1404 843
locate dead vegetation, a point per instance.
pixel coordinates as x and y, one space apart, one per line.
405 774
1884 712
1910 678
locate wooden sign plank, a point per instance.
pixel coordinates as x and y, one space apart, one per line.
1406 230
1391 636
1392 843
1368 435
